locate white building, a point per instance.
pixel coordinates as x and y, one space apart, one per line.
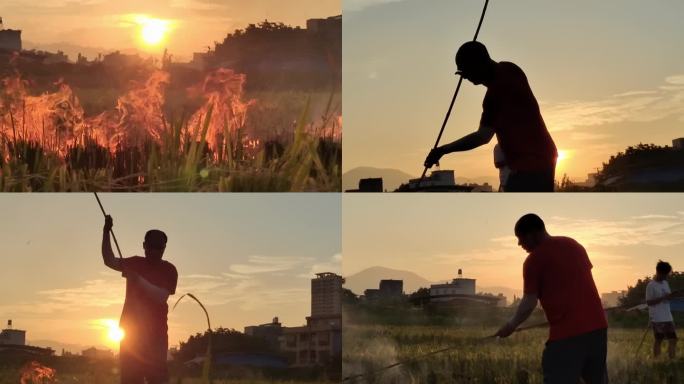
457 286
11 336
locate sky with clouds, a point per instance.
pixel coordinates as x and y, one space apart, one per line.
435 235
195 24
607 75
248 258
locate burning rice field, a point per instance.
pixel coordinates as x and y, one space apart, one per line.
212 136
477 359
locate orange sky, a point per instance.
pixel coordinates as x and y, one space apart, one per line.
115 25
229 249
607 75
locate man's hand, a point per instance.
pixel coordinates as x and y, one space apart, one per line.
109 223
505 331
433 157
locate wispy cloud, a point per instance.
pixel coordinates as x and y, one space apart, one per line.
90 294
333 264
657 230
633 106
264 264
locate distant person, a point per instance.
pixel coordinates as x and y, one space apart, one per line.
509 111
557 272
149 282
658 294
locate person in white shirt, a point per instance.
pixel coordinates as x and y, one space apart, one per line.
658 296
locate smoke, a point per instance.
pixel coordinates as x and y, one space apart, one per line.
366 353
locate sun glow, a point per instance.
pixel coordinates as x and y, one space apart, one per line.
562 156
152 31
114 333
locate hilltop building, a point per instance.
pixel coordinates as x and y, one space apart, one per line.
457 286
13 343
10 336
460 291
10 39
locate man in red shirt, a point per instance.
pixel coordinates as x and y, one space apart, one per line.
511 112
149 282
557 272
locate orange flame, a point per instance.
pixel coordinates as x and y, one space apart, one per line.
53 119
57 120
34 372
138 115
224 90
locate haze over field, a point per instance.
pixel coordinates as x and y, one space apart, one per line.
435 235
607 75
248 258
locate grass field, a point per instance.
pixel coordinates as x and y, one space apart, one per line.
515 360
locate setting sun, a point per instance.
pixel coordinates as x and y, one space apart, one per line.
152 31
562 155
114 333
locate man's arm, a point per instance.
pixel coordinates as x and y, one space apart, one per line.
473 140
527 305
107 253
152 291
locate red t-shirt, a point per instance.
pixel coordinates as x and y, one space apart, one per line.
140 313
559 272
509 107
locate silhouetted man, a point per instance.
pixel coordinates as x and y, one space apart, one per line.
557 272
658 296
149 282
509 111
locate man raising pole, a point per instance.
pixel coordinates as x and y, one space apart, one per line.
149 282
511 112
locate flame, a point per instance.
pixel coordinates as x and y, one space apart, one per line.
53 119
34 372
224 90
57 120
137 117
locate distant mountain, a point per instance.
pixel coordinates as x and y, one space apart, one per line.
57 346
370 278
391 178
